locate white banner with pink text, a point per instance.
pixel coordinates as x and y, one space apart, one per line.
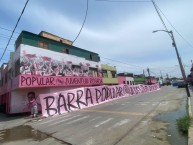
66 101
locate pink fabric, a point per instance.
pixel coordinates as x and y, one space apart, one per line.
121 79
33 102
75 99
26 81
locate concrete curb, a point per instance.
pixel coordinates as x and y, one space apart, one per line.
190 130
189 108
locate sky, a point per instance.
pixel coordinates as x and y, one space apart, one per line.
120 32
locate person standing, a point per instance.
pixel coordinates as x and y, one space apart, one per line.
32 104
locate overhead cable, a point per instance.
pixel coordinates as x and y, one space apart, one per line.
174 28
8 29
14 30
123 0
155 6
83 21
121 62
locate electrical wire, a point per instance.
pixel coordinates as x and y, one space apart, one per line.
174 27
123 0
14 29
83 22
121 62
7 36
172 70
155 6
8 29
129 66
154 73
4 37
8 50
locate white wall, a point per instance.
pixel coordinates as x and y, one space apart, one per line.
19 97
130 79
55 55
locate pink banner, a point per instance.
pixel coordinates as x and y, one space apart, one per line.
26 81
71 100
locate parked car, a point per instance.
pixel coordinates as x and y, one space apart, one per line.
174 83
181 84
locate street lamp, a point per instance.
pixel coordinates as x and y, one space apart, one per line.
178 57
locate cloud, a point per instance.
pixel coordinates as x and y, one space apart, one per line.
121 31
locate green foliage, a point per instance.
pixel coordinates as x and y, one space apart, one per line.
187 107
184 124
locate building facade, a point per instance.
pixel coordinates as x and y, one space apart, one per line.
109 74
139 79
151 80
126 78
42 63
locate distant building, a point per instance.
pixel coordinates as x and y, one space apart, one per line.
109 74
139 79
151 80
126 78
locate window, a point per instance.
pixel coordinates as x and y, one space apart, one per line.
43 44
91 57
76 70
9 74
104 74
128 82
76 67
114 74
93 72
17 67
66 50
123 82
6 75
1 81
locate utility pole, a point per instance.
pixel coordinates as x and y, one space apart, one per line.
148 72
161 74
180 63
149 75
179 59
161 77
143 73
167 76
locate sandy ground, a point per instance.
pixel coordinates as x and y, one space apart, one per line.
154 132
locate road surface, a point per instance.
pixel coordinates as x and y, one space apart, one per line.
127 121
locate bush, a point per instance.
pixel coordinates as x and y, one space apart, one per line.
183 124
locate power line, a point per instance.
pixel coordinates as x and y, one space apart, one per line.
174 28
14 29
8 50
154 73
83 22
171 72
1 44
155 6
8 29
123 1
128 64
121 62
121 68
163 68
5 37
